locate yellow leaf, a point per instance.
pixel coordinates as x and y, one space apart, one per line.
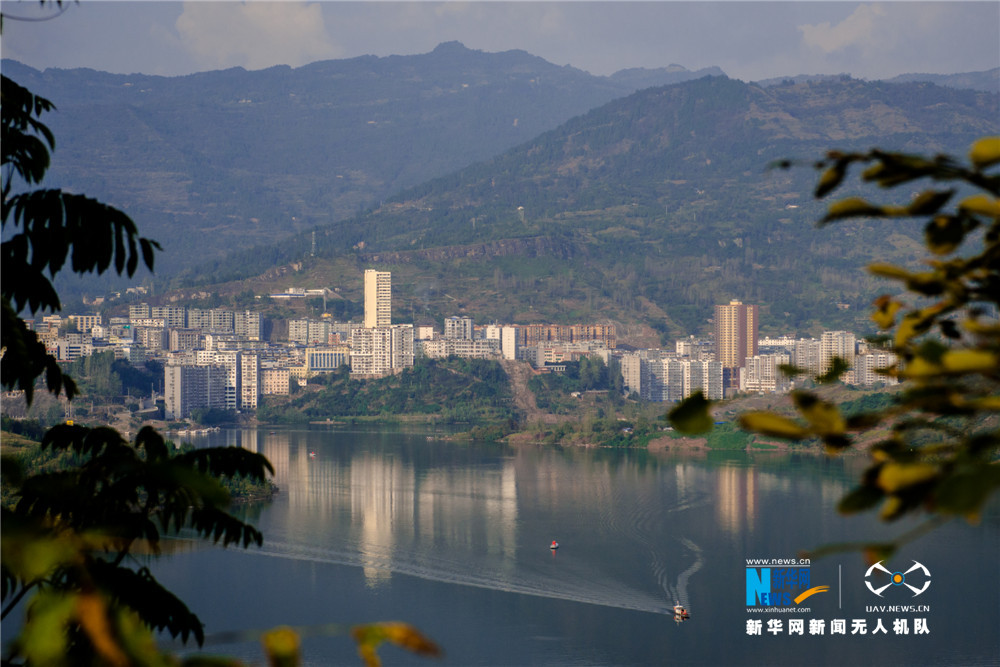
907 330
895 476
986 403
969 361
852 207
825 418
981 204
890 508
773 425
369 637
281 646
920 368
889 271
408 637
985 152
885 315
987 328
830 179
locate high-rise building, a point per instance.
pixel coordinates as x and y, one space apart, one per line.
840 344
249 381
188 388
458 327
378 298
735 334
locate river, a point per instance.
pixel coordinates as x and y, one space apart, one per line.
454 537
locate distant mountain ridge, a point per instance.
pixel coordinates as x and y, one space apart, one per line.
987 81
247 157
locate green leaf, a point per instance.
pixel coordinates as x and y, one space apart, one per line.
860 499
838 367
967 490
43 640
692 414
944 234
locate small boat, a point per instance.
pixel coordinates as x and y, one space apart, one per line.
554 545
312 455
680 613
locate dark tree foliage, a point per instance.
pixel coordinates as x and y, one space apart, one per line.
43 229
68 533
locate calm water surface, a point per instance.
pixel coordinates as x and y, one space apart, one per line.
454 538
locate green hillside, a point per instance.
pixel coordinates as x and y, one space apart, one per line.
646 212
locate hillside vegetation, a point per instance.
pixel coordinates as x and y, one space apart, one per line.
646 212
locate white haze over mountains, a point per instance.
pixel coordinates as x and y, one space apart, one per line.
748 40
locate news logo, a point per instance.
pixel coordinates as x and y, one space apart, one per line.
779 586
919 574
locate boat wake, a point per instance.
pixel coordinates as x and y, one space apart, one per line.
576 583
679 590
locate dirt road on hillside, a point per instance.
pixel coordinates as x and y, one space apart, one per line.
519 373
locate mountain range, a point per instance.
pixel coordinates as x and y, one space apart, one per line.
501 185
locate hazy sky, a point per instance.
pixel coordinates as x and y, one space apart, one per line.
748 40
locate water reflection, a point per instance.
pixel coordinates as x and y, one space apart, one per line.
470 522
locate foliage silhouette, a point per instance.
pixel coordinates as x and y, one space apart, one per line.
68 533
942 452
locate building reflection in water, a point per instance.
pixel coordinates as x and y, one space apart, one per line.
417 509
384 505
737 498
382 501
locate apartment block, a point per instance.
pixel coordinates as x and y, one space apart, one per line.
532 334
763 374
458 328
459 347
841 344
275 381
380 351
85 323
151 338
172 316
309 332
508 342
247 323
867 367
184 339
189 388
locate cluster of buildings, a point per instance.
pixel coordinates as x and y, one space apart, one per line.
219 358
738 361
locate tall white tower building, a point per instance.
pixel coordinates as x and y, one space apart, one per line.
378 298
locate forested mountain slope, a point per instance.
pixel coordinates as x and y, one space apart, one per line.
650 209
